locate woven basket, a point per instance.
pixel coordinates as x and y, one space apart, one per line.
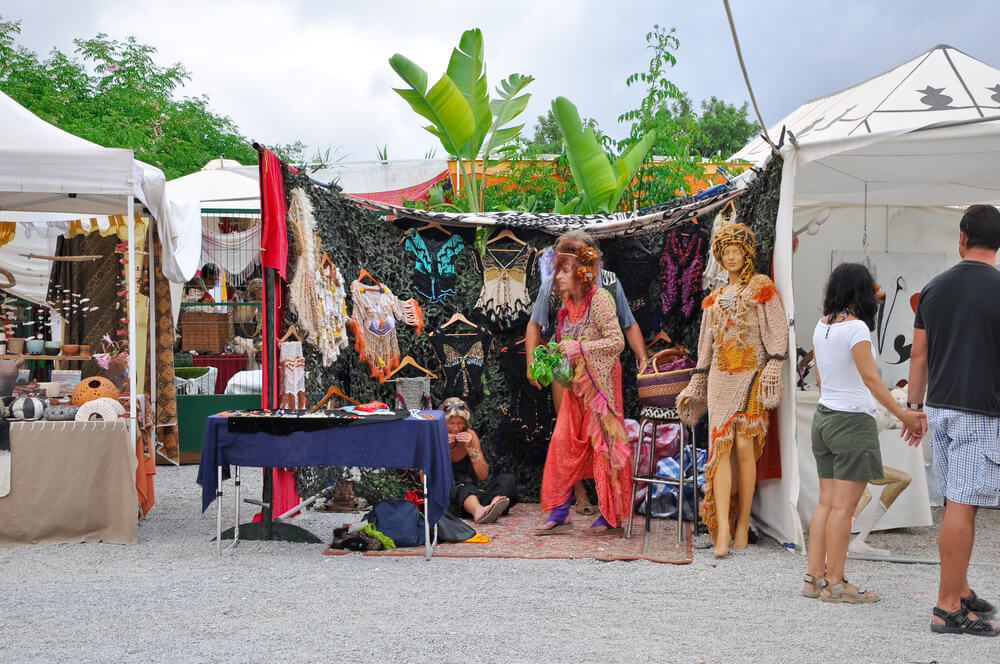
207 332
658 386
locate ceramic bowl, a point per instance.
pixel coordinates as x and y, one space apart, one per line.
70 349
35 346
52 347
84 349
15 345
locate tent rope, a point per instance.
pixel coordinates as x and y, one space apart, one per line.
746 77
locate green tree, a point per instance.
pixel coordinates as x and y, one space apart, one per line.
665 110
116 95
723 128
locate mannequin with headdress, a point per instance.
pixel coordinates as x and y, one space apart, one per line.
743 341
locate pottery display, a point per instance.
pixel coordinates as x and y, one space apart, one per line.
70 349
92 388
35 346
85 350
52 347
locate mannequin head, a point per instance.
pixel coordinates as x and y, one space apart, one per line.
739 240
577 264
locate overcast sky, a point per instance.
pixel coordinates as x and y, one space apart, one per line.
318 71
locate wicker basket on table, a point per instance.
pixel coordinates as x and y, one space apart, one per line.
667 373
205 332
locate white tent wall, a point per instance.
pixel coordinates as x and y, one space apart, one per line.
915 174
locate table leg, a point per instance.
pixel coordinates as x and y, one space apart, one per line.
218 507
236 529
680 489
427 524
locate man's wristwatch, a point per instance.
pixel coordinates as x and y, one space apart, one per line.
914 406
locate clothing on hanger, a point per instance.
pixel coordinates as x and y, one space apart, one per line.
413 393
434 270
373 322
292 367
333 304
462 358
505 266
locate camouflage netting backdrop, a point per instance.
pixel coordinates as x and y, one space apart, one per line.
355 238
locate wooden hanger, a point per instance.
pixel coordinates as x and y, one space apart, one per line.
325 262
458 318
508 234
291 331
365 273
660 336
429 225
408 361
640 246
334 390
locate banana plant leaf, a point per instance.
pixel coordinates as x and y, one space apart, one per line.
466 69
453 122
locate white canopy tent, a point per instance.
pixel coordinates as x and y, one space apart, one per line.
44 169
885 156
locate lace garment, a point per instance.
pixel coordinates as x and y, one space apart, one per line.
333 322
505 267
413 393
293 375
373 322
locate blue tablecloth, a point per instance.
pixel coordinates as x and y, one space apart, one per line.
408 443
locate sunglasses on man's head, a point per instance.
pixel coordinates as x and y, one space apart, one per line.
454 406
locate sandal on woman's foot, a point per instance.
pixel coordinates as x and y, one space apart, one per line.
839 592
559 520
960 622
602 528
979 606
818 583
493 511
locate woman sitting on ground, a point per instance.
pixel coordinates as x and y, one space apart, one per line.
844 431
474 493
589 440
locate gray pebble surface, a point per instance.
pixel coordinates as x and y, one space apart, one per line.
169 598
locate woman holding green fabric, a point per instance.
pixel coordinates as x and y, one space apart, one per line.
589 440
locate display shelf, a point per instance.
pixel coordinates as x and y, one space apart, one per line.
81 358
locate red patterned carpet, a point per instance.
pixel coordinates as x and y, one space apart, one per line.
513 537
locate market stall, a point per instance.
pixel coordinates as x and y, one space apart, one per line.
48 176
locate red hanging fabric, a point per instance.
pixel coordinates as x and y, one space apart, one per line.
273 236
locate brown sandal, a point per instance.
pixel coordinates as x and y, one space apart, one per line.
840 593
818 584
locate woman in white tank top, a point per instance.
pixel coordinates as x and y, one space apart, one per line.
844 433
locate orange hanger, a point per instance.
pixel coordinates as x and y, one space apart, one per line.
332 391
508 234
325 262
408 361
365 273
291 331
660 336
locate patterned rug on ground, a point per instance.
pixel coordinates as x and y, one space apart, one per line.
513 537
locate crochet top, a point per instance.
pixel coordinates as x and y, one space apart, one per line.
434 270
505 268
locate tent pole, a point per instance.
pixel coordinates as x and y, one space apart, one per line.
130 275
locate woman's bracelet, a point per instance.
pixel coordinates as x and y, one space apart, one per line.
914 406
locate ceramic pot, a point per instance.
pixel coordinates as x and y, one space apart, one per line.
52 347
15 345
70 349
3 347
84 350
35 346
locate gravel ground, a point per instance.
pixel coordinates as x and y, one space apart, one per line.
170 599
